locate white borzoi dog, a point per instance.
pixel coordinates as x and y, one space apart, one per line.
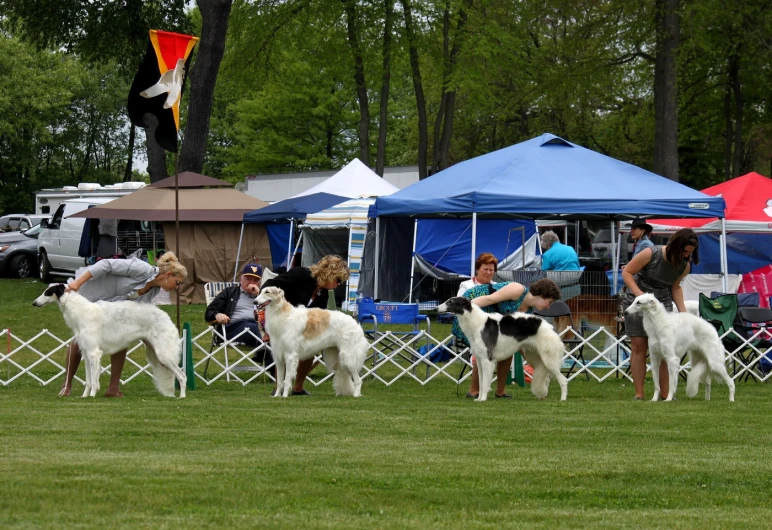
298 333
494 337
671 335
105 328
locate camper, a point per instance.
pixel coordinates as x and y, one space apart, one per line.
48 200
59 239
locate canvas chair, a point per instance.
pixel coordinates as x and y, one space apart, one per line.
559 309
371 315
722 311
243 362
756 324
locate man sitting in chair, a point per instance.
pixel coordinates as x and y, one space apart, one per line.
234 309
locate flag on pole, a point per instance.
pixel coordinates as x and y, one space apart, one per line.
157 86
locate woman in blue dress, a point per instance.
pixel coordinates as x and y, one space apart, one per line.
506 298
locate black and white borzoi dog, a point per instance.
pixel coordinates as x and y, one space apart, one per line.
298 333
494 337
105 328
671 335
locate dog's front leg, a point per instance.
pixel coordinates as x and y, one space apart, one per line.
291 367
87 367
673 364
708 379
96 367
655 362
485 375
280 369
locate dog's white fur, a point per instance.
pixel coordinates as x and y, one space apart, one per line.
673 334
544 351
105 328
298 333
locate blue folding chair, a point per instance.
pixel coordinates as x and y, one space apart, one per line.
371 315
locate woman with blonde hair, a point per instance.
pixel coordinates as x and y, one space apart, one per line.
113 280
308 286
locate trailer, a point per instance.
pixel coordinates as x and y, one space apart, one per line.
48 200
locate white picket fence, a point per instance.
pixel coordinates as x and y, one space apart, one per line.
392 356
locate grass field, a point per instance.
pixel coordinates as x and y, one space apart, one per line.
404 456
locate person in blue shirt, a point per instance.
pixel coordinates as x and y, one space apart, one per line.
639 232
557 256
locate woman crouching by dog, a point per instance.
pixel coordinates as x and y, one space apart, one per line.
505 298
113 280
308 286
656 270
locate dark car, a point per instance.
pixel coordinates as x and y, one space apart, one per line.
20 258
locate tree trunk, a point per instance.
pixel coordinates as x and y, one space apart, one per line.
738 115
443 99
359 77
666 90
448 104
728 133
380 161
156 156
423 131
130 160
203 77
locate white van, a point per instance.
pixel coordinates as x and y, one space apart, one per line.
59 239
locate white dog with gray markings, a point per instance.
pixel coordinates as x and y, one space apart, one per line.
299 333
671 335
105 328
494 337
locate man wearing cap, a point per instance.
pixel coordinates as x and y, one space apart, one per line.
639 232
234 307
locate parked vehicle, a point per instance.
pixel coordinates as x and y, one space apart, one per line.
20 258
59 239
601 246
16 222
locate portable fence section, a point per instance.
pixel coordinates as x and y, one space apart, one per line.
597 355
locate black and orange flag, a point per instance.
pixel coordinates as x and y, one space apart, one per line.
157 87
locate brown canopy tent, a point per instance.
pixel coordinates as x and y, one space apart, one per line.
188 179
210 223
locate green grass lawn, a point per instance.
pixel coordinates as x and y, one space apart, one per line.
404 456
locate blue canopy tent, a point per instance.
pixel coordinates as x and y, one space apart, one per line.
280 221
544 178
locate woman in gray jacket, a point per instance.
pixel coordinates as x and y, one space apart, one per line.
113 280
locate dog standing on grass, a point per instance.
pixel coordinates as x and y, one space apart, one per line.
671 335
298 333
494 337
105 328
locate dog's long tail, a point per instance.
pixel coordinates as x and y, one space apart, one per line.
549 350
168 347
341 381
696 375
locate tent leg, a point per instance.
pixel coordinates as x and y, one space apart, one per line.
412 263
724 264
289 245
377 255
238 254
474 242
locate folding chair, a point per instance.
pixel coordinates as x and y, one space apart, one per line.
371 314
559 309
723 312
756 323
211 290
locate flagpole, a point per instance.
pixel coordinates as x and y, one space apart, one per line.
177 222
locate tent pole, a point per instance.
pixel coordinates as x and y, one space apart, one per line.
177 224
724 261
297 245
289 244
238 253
614 253
474 241
349 302
377 255
412 262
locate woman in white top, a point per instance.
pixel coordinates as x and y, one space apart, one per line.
484 270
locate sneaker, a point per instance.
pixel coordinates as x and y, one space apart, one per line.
303 392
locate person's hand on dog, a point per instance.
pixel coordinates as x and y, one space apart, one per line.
222 318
